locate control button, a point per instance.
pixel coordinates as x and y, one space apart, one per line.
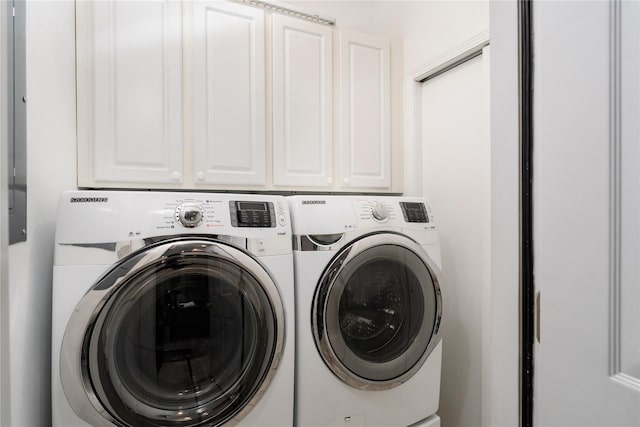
190 214
379 212
282 220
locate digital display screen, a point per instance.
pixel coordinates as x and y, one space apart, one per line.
252 214
252 206
413 206
414 212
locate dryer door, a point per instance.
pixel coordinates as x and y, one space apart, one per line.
377 311
184 333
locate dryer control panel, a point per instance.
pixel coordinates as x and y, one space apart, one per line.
414 213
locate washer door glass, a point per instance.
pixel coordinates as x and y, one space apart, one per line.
187 339
377 312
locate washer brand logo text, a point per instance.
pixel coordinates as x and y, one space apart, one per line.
89 199
314 202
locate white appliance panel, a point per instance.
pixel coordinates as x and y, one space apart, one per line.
96 229
321 397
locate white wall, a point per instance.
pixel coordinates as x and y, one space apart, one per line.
51 169
456 178
430 28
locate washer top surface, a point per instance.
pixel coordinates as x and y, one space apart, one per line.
91 217
318 214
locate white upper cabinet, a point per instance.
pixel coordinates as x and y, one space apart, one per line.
365 136
229 137
221 95
302 103
129 92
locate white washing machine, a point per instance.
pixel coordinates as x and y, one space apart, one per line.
368 311
172 309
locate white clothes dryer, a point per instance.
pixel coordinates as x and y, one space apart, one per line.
368 311
172 309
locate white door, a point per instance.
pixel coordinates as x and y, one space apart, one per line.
228 94
302 102
365 120
456 178
586 213
129 91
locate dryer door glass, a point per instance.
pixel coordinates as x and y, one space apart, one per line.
382 306
187 340
377 314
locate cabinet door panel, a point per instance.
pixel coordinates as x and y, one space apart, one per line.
228 93
137 91
365 120
302 103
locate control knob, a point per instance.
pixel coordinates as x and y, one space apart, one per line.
379 212
189 214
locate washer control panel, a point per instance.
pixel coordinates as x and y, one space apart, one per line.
252 214
119 216
190 214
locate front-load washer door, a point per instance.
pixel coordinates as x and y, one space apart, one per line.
183 333
377 311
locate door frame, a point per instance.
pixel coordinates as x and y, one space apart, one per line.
528 316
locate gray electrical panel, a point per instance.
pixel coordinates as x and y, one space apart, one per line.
17 107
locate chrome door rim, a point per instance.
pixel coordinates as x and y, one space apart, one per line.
319 309
76 382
